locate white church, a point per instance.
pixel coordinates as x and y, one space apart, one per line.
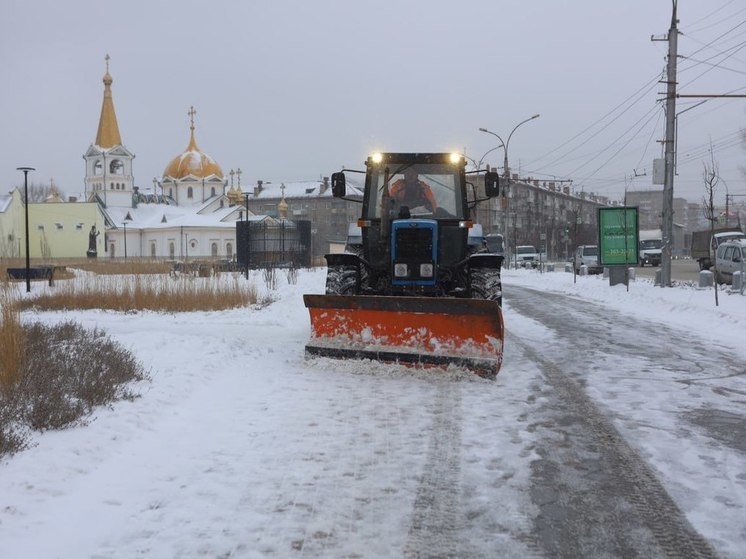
191 213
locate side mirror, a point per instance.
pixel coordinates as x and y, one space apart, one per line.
491 184
339 186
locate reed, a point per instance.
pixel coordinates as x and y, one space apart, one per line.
11 338
135 292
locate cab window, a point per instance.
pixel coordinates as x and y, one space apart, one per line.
442 179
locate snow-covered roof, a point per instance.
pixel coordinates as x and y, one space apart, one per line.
162 216
299 189
5 200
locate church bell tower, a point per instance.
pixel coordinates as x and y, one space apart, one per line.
108 163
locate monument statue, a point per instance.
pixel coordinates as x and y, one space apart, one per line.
92 252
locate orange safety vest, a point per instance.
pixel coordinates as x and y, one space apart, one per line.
398 193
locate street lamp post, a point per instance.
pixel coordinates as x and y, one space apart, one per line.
478 167
478 164
506 169
25 171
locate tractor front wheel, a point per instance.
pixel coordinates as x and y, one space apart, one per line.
486 284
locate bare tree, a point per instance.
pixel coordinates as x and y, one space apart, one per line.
711 178
38 192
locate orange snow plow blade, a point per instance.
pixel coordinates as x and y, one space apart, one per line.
418 331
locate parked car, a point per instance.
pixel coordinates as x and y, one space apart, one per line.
587 255
526 256
730 257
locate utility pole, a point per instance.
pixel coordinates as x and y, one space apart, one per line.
670 151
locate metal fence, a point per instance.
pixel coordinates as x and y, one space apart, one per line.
270 244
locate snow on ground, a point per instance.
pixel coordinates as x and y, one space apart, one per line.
687 420
240 447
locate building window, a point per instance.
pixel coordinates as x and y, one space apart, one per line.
111 250
212 190
190 192
229 250
214 250
171 250
152 249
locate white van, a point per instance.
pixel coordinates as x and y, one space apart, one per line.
587 255
526 256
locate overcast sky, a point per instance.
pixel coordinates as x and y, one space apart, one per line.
295 90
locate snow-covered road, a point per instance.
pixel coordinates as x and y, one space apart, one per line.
241 448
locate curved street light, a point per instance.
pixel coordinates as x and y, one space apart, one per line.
507 175
506 144
478 164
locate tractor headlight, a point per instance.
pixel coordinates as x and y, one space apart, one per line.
426 270
401 270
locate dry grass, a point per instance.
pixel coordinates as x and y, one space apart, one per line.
147 292
11 337
66 372
99 266
53 377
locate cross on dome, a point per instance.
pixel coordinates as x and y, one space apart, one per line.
192 111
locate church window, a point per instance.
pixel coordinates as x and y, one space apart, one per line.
111 250
229 250
212 191
171 250
152 249
171 192
214 250
190 192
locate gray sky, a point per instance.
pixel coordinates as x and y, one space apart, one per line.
294 90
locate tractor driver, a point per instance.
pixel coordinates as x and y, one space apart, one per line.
412 192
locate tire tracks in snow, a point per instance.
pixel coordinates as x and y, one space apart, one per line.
437 518
596 495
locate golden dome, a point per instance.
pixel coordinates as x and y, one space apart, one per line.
193 162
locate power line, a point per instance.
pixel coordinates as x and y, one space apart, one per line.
720 66
619 138
717 10
621 148
740 47
649 85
